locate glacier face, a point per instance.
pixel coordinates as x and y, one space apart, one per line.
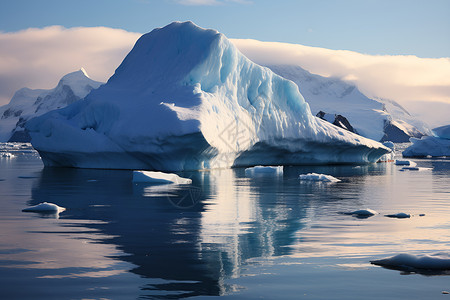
27 103
185 98
377 119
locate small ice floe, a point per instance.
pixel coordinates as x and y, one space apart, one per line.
399 215
414 169
45 207
317 177
159 178
273 170
401 162
434 264
362 213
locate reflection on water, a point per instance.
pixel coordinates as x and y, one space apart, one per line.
122 240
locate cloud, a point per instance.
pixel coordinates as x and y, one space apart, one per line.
401 78
38 58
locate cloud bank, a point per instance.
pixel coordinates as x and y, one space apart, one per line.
402 78
38 58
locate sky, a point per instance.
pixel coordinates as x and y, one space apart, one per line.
386 41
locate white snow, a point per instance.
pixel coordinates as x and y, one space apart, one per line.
27 103
159 178
438 261
45 207
402 162
438 145
399 215
185 98
335 96
318 177
264 170
363 213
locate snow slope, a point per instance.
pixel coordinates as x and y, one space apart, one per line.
377 119
27 103
185 98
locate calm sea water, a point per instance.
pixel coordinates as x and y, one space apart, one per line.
227 235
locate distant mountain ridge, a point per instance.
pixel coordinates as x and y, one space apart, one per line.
28 103
377 119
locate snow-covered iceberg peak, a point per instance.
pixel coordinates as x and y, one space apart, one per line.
186 98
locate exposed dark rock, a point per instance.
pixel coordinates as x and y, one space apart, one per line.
339 121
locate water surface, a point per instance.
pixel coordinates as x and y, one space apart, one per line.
226 235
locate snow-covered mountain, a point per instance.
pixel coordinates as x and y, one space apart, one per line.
27 103
185 98
377 119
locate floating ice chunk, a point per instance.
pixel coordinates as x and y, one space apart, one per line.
362 213
414 169
399 216
45 207
159 177
400 162
318 177
277 170
409 262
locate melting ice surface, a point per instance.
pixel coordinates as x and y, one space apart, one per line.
185 98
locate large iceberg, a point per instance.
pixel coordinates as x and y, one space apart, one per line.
437 145
28 103
185 98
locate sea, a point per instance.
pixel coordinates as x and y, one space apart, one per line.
227 235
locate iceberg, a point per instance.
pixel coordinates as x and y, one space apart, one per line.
437 145
159 178
318 177
27 104
45 207
274 170
399 215
404 162
362 213
437 263
185 98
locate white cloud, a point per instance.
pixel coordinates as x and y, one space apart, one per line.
38 58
